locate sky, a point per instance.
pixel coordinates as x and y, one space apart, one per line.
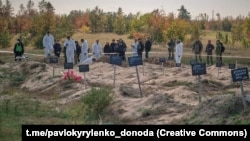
225 8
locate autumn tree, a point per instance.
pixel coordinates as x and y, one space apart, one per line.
6 23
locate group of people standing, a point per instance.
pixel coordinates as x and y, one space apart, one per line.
175 48
198 47
74 52
119 47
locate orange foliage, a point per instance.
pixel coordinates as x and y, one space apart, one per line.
137 35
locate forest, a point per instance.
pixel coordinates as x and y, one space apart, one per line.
30 23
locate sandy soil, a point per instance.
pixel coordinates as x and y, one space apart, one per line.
168 93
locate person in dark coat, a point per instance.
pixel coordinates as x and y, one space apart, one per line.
78 52
148 45
18 49
107 49
122 49
209 51
57 48
140 47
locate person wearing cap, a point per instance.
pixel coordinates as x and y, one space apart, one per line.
48 42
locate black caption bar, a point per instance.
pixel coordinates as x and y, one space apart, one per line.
122 132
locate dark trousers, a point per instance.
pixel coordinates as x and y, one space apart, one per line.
198 56
146 54
57 54
209 59
170 53
122 54
219 58
18 54
139 54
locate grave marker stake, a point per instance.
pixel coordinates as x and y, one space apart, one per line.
114 76
139 83
243 96
85 81
199 82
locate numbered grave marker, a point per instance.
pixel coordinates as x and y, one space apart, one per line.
84 68
231 66
53 60
240 74
162 60
134 61
199 69
178 65
116 60
68 65
218 64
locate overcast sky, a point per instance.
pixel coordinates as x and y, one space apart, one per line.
195 7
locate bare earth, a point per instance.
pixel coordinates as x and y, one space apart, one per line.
169 93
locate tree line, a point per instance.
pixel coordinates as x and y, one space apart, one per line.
31 24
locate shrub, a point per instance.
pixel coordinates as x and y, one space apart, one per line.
95 101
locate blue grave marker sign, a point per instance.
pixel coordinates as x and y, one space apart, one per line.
134 61
68 65
218 64
239 74
199 69
116 60
162 60
84 68
53 60
231 66
178 64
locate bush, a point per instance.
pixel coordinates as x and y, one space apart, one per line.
95 101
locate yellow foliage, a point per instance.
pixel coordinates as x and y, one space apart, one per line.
85 29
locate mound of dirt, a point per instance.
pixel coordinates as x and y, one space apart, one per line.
166 97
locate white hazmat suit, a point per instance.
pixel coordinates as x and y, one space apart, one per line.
84 51
70 50
178 52
134 48
48 42
97 50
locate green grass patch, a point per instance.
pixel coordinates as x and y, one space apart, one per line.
95 102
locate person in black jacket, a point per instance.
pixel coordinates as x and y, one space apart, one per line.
148 45
18 49
57 48
107 49
140 47
122 49
78 52
209 51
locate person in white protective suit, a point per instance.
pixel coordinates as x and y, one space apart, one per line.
70 49
97 50
178 52
84 50
134 48
48 42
